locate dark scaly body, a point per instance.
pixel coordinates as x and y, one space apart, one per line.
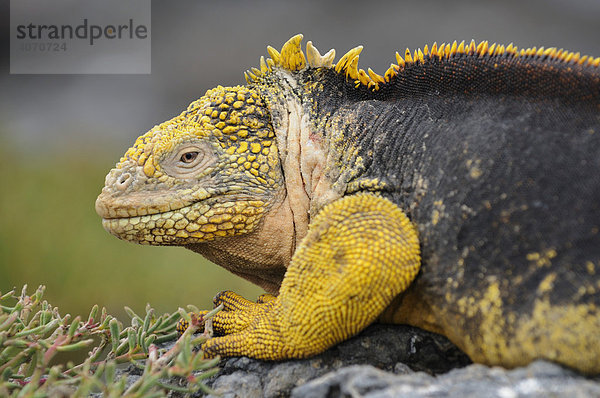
497 162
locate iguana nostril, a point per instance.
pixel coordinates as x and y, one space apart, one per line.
124 181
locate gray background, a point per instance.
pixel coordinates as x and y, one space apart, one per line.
196 45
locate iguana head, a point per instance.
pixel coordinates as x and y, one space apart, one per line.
211 172
215 170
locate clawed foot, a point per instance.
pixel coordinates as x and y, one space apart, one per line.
243 327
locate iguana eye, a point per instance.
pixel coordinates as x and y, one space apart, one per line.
188 157
188 160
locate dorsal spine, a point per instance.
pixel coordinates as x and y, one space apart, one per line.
292 58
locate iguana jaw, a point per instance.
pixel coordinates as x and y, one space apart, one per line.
202 221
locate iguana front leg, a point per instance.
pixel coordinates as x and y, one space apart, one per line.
360 252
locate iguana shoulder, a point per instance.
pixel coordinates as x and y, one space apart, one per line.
304 182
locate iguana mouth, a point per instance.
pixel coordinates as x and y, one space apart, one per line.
109 206
146 228
193 223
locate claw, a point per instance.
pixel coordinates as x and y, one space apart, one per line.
242 327
232 301
265 298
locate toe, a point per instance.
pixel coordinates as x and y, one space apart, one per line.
225 322
232 301
265 298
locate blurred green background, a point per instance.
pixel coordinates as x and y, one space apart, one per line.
51 235
60 134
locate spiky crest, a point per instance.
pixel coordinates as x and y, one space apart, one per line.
292 58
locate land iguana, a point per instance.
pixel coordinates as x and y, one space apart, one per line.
459 192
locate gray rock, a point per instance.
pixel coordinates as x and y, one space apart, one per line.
394 361
539 379
351 381
398 349
238 385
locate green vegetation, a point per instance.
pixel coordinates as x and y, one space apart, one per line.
50 235
33 333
